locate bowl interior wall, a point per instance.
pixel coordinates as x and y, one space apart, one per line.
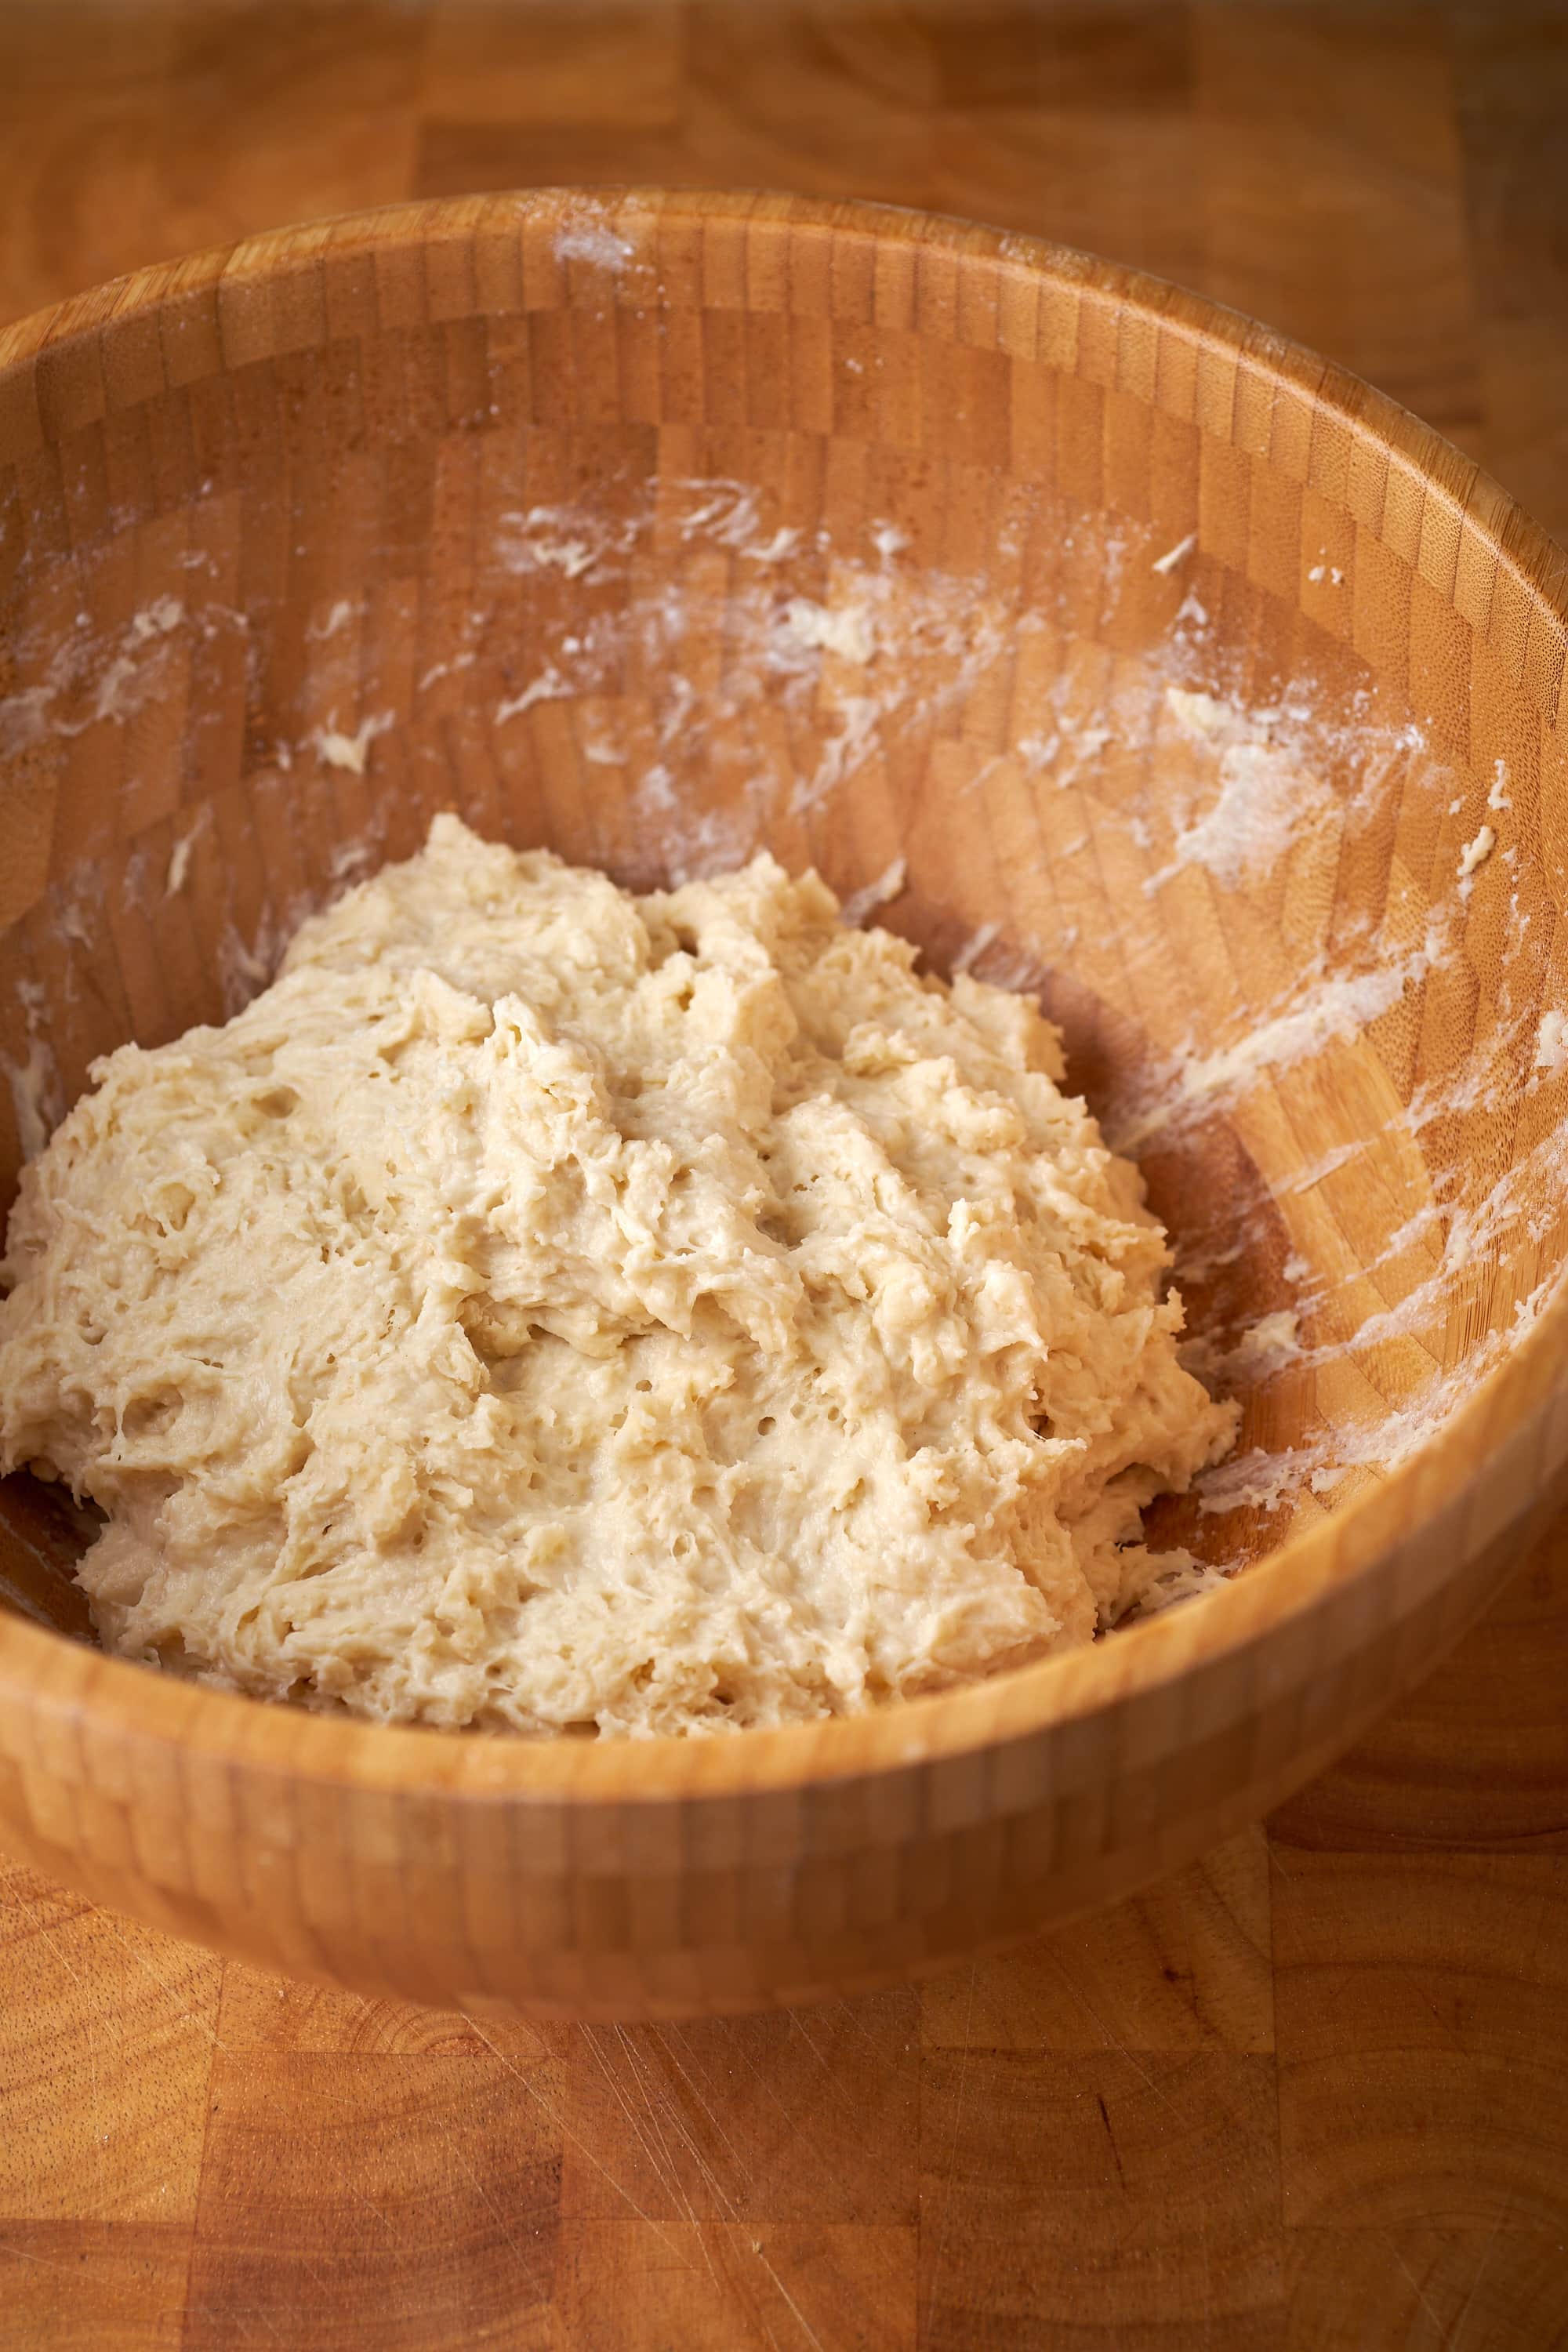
658 582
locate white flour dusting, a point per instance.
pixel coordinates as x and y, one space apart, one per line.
440 669
1327 1164
976 945
572 539
92 676
1330 1009
848 633
1264 802
342 612
548 686
179 870
1174 555
337 749
843 752
890 884
592 240
536 542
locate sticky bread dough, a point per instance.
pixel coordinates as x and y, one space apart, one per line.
545 1310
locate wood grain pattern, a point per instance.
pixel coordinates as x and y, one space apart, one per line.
1393 2177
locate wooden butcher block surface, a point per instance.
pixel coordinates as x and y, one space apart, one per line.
1313 2093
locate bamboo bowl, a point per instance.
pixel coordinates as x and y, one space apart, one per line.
1183 675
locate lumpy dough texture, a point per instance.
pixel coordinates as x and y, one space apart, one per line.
546 1309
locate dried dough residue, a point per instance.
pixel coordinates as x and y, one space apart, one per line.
1477 852
338 750
1552 1041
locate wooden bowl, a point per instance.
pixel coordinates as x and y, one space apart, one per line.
1183 674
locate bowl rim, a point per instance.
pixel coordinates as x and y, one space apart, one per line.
46 1673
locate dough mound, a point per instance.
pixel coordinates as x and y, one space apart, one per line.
551 1310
